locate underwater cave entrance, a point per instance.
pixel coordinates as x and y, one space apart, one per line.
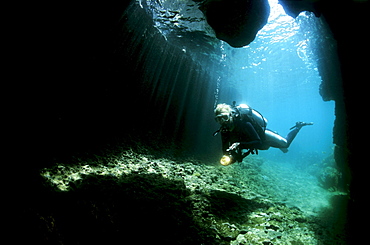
283 74
279 75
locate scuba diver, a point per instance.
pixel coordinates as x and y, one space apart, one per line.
243 128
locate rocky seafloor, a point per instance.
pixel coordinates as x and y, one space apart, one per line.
141 199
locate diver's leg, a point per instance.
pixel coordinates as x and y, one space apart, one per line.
277 141
274 140
292 134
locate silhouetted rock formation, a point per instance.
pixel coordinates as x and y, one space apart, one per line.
234 21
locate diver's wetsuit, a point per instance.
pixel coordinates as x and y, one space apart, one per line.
246 134
275 140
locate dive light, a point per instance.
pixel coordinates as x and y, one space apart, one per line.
227 160
230 157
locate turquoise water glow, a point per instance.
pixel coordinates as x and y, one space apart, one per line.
277 75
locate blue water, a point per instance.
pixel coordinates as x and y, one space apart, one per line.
277 75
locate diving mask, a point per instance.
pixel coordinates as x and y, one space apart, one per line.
222 118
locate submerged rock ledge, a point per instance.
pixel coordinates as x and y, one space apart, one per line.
145 199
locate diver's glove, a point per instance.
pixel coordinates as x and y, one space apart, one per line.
299 125
234 147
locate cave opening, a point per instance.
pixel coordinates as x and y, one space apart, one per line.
281 74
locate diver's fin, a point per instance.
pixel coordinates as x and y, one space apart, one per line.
285 150
299 125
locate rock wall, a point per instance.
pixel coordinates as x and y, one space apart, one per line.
346 20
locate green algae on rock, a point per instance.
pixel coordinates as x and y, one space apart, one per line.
232 205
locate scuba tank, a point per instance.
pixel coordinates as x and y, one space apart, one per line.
245 113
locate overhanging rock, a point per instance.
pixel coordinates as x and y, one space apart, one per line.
236 21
